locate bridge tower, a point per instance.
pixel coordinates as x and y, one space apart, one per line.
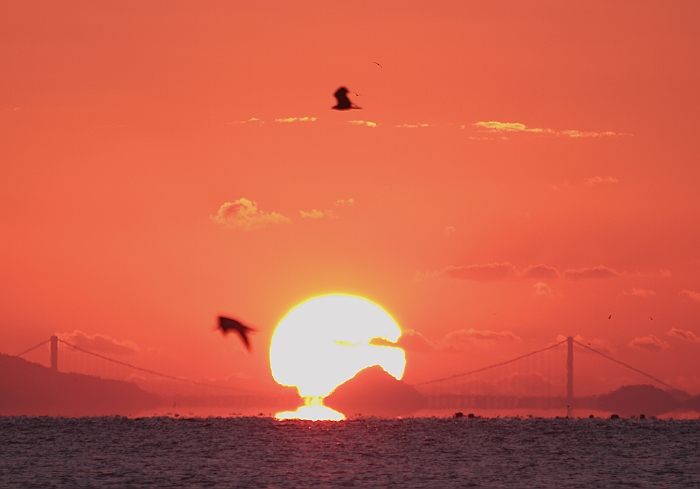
54 353
570 371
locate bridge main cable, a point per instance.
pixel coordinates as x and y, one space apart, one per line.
179 379
33 348
632 368
490 366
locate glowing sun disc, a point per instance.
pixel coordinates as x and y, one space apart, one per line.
325 341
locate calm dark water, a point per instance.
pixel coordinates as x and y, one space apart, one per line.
364 453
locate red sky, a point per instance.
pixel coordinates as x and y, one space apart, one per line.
518 171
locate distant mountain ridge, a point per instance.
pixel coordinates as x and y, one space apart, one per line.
34 390
632 400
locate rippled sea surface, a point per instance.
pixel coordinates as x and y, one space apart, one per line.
363 453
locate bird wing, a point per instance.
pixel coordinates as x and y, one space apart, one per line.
244 337
228 324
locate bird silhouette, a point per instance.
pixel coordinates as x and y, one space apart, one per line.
377 64
227 325
341 95
609 316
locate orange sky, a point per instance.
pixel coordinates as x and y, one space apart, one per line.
509 135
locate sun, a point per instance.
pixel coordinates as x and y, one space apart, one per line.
324 342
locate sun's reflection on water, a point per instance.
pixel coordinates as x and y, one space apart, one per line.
312 410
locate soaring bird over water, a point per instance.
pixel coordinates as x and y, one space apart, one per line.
344 103
227 324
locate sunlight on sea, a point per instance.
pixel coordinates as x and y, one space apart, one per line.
365 453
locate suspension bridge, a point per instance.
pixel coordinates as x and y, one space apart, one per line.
541 379
535 380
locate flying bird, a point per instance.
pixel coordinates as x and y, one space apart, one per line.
377 64
227 325
609 316
341 95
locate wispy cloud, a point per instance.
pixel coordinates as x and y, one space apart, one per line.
640 292
590 273
252 120
412 340
364 123
313 214
598 180
540 271
450 230
542 290
695 296
517 127
595 343
684 335
245 214
665 273
413 126
495 126
462 339
99 343
329 214
297 119
455 341
490 272
345 202
651 343
481 273
564 185
586 134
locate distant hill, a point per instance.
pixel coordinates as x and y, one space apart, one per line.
692 403
34 390
373 392
632 400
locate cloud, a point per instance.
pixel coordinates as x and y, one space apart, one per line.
455 341
695 296
419 276
249 121
665 273
542 289
347 202
564 185
684 335
297 119
640 292
651 343
411 340
586 134
330 214
598 180
517 127
450 230
245 214
463 339
364 123
595 343
500 271
99 343
588 273
481 273
495 126
540 271
413 125
314 214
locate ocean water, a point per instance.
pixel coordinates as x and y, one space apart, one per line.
362 453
